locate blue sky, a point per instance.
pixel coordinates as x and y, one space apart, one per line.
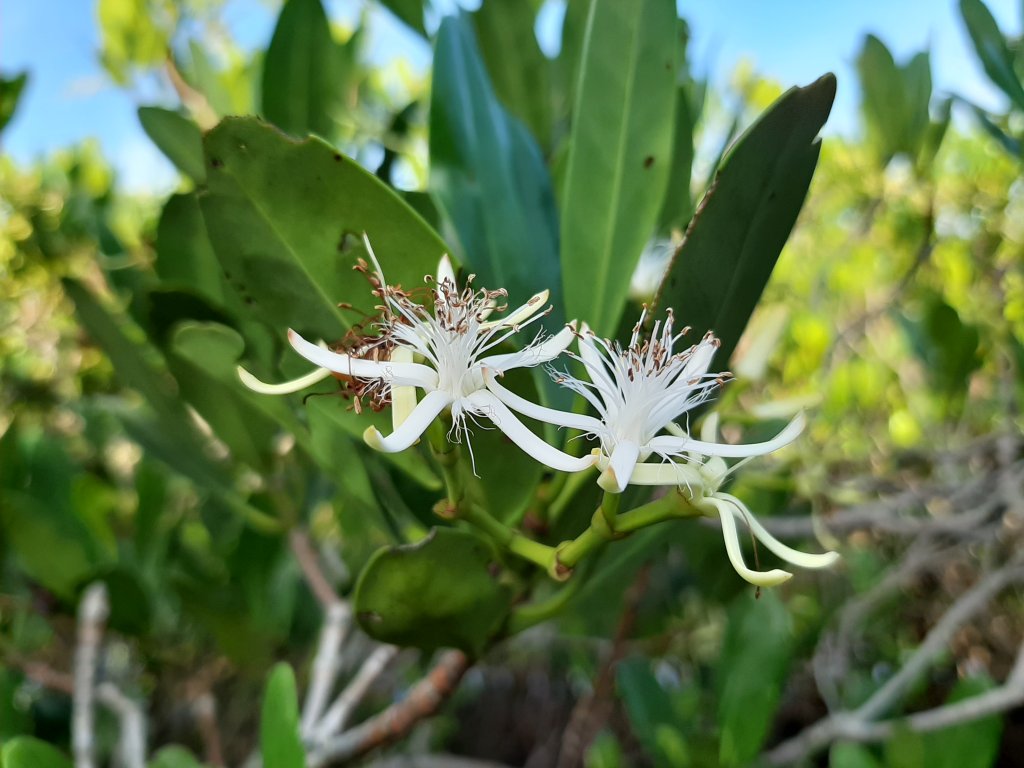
794 41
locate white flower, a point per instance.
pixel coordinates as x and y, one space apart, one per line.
452 338
639 392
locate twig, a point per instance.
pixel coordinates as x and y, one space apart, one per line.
336 626
92 613
434 761
337 716
131 744
423 700
858 726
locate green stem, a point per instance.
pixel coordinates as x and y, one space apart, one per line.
526 616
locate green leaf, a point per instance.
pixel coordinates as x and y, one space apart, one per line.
895 99
280 743
620 149
178 138
717 275
337 413
285 219
992 49
202 358
408 11
303 71
517 68
650 711
445 591
948 347
174 757
851 756
10 95
973 744
751 671
185 257
488 175
28 752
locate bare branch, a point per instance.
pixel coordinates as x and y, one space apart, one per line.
92 613
306 557
341 710
858 725
326 664
204 708
423 700
131 744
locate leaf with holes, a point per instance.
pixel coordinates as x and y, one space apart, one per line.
285 219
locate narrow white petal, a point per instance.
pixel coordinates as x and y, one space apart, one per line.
732 548
487 404
699 362
620 468
523 313
803 559
403 397
671 446
533 355
578 421
409 374
445 270
285 387
663 473
422 415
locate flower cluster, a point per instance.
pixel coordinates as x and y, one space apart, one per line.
446 346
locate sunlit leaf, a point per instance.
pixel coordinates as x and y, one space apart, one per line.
620 149
303 71
286 220
29 752
177 137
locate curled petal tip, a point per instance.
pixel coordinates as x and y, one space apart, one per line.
609 482
767 578
373 438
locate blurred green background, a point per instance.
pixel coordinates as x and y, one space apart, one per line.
895 315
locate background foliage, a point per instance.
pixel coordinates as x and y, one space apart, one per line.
130 456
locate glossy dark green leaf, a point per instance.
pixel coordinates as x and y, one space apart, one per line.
10 95
717 276
751 671
303 71
518 70
620 149
286 218
177 137
992 49
445 591
280 743
131 606
488 175
29 752
973 744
